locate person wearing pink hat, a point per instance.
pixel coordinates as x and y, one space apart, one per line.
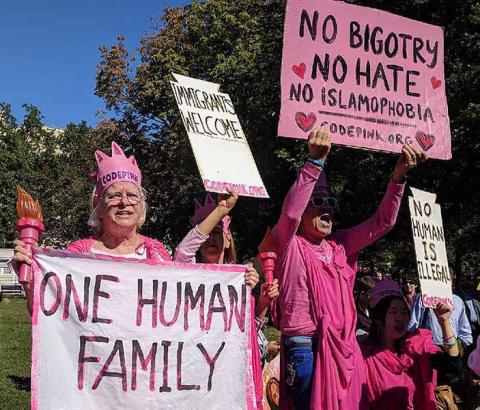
322 366
210 241
400 366
118 210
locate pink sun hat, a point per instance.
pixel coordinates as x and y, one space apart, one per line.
117 168
203 210
385 288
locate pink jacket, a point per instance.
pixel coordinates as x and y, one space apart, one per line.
401 382
316 291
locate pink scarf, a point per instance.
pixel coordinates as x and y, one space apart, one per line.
405 381
338 374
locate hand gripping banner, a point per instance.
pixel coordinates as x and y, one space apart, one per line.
119 333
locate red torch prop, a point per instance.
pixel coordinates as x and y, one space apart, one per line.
267 256
30 226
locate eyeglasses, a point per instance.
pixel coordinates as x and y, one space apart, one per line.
321 202
114 198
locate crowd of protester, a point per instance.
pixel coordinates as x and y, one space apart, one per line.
350 337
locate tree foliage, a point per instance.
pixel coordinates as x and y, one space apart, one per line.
238 44
53 166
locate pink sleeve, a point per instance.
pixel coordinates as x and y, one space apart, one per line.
474 358
294 205
256 359
384 218
189 246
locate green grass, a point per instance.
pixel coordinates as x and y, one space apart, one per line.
15 354
271 333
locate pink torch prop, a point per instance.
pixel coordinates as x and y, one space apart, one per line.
30 226
267 256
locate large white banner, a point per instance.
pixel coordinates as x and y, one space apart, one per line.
221 150
111 334
429 239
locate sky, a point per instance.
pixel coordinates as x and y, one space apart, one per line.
49 51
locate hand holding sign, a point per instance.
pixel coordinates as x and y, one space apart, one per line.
408 160
319 144
227 202
442 312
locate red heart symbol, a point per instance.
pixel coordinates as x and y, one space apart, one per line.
300 70
305 122
425 141
435 82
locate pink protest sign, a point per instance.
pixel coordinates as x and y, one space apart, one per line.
374 79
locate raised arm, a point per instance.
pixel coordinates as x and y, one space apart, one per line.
191 243
319 144
443 313
384 218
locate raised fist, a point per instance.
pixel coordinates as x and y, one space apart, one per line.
319 143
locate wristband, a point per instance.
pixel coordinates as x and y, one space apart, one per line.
450 344
448 338
317 162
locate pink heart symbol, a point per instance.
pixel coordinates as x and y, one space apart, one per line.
305 122
300 70
425 141
435 82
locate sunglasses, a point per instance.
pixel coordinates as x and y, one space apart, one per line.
321 202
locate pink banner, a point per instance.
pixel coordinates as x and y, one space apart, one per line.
374 79
111 333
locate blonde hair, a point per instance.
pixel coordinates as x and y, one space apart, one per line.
94 221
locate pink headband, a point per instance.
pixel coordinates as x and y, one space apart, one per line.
117 168
203 210
384 288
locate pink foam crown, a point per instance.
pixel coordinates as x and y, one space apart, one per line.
205 209
383 289
321 187
117 168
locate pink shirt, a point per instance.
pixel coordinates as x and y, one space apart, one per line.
294 302
154 249
316 293
404 381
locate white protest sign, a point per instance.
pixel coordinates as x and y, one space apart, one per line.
429 239
218 142
129 335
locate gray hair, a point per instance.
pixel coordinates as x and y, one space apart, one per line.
94 221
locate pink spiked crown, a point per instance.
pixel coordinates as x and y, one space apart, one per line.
384 288
117 168
203 210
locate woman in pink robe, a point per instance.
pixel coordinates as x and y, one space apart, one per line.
322 366
400 367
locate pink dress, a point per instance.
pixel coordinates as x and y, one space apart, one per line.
405 381
316 293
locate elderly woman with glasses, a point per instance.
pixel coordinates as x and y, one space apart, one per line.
322 366
118 211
